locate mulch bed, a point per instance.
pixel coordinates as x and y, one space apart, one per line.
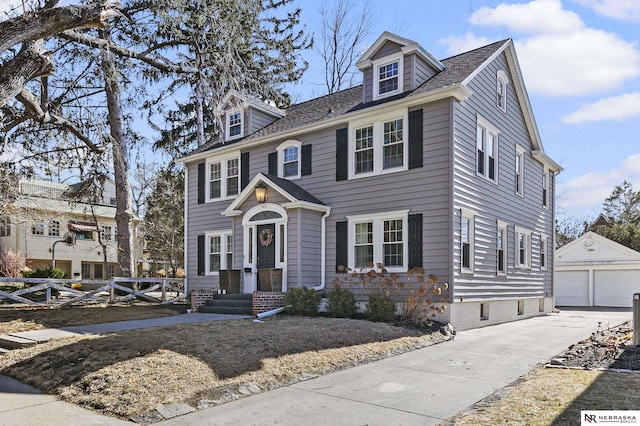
606 348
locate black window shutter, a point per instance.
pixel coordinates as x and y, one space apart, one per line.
341 247
342 154
305 166
273 164
415 139
244 170
201 183
415 240
200 254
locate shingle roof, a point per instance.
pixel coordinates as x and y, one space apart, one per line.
334 105
293 189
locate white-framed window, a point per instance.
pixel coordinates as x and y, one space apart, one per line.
223 177
522 248
379 238
388 73
378 145
37 229
234 121
501 90
519 171
501 248
467 240
105 233
487 149
289 159
544 246
219 251
5 227
111 271
545 187
54 228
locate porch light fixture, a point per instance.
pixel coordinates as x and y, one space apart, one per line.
261 193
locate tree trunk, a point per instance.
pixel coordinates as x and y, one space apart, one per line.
120 162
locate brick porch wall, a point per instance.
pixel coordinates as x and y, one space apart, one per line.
264 301
199 297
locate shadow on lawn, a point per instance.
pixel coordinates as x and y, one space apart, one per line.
228 348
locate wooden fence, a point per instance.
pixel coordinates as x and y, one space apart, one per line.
57 293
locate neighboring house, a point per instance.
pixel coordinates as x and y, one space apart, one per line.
428 163
594 271
43 214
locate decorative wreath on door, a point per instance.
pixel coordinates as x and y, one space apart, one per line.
266 237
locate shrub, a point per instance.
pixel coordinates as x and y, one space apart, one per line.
341 303
380 308
304 301
43 273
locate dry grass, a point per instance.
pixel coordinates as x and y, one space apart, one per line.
129 373
15 319
553 396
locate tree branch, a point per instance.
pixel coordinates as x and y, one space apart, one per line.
33 61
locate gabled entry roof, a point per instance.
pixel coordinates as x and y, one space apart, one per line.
297 196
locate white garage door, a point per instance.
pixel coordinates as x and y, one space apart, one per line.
615 288
572 288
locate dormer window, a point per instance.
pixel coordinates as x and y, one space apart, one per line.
388 72
235 125
501 90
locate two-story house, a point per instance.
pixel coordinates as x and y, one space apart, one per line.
43 213
429 163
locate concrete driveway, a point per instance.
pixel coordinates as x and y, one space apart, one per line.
422 387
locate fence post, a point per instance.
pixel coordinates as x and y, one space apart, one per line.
48 294
112 291
164 293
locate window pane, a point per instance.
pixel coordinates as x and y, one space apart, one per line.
393 247
364 245
364 149
215 180
364 233
466 255
364 256
235 124
393 144
290 162
388 78
232 177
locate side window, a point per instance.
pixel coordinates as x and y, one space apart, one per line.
501 90
223 178
545 186
54 228
219 252
486 149
289 159
501 245
467 241
519 171
543 251
234 125
522 248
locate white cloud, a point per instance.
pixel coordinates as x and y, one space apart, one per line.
556 50
465 43
584 195
567 66
617 108
538 16
623 10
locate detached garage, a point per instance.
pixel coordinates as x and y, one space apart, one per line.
595 271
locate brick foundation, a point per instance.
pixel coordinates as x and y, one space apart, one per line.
264 301
199 297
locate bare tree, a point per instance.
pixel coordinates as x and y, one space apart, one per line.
343 33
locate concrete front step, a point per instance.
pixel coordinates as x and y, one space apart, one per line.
224 310
233 296
15 342
230 303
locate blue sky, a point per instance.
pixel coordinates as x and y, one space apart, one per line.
581 64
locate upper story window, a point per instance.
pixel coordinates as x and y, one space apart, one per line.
501 90
543 251
523 248
289 159
105 233
378 146
379 238
234 124
467 241
37 229
545 186
5 227
487 149
388 76
223 177
519 171
54 228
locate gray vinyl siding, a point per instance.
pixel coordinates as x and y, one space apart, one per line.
257 120
388 48
492 201
421 71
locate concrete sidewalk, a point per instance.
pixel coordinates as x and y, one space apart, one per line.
422 387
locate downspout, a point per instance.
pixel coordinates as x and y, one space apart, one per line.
186 221
323 251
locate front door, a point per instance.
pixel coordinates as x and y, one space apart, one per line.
266 246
